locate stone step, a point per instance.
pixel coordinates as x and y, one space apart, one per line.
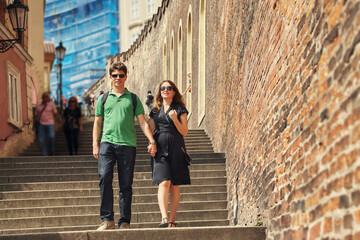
95 199
94 209
89 156
74 174
87 151
73 220
91 168
138 226
95 184
61 193
196 231
55 193
88 143
143 166
140 149
9 173
197 162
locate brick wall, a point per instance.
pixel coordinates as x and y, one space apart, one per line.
283 103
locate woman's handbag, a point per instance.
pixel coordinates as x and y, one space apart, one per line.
187 156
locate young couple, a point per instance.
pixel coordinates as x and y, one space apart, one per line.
168 125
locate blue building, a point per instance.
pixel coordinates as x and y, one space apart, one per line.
89 30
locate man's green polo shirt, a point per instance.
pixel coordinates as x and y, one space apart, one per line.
118 117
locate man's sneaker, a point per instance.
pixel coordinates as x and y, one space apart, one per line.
106 225
124 225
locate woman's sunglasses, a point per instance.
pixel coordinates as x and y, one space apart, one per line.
118 75
169 88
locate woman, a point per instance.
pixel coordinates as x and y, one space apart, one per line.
168 122
72 125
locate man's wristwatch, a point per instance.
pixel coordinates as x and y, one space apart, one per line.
152 143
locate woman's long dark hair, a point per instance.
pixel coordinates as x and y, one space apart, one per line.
177 99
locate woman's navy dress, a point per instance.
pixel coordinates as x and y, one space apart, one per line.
169 162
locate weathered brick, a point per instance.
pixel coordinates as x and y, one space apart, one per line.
334 203
315 231
357 175
355 198
328 225
344 202
338 222
357 216
352 157
348 221
348 181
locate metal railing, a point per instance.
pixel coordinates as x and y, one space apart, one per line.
18 130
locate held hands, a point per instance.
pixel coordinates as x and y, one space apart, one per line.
173 114
152 149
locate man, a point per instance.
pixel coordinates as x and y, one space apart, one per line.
118 144
44 113
87 101
149 101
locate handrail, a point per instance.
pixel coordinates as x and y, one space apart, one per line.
18 130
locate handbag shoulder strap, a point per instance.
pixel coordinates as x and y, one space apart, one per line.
176 135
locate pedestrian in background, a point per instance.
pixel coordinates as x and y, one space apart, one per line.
72 125
44 114
149 101
79 100
87 101
168 122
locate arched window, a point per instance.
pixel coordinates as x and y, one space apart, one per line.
164 63
172 60
189 62
202 51
179 59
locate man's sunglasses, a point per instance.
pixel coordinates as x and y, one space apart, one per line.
169 88
118 75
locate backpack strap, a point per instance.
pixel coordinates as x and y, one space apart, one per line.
105 96
134 101
103 100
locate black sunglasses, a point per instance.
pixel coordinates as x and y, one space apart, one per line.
118 75
169 88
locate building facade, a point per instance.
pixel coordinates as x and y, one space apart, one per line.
21 77
89 32
133 16
276 86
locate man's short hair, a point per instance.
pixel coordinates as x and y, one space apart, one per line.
118 66
149 92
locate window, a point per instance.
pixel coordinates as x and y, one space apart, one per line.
150 7
202 51
134 9
164 62
14 96
179 60
189 63
134 37
172 60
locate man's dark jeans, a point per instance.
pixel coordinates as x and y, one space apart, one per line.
109 154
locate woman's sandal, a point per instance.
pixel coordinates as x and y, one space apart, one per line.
164 222
172 224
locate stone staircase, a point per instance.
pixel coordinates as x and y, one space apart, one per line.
57 197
